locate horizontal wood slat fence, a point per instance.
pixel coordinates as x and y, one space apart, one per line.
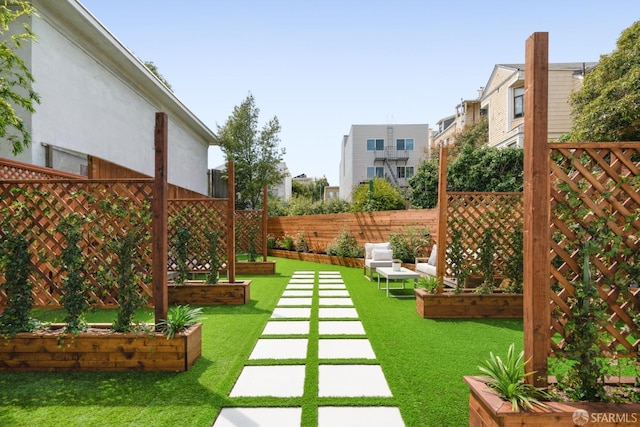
321 230
36 204
595 209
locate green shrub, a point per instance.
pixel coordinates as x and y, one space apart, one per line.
301 242
180 318
287 243
385 197
345 245
409 243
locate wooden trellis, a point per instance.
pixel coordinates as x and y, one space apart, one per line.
473 214
201 217
35 208
595 202
249 230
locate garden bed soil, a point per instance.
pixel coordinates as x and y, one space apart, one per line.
202 293
100 349
487 409
468 305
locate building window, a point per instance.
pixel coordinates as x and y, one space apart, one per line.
404 171
375 144
518 102
405 144
375 172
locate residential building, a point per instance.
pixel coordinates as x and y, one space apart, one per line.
283 189
391 151
503 100
99 100
468 112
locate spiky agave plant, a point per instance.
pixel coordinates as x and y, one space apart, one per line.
180 317
507 380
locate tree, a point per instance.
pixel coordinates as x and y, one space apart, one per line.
154 70
16 92
424 185
607 107
487 169
255 153
385 197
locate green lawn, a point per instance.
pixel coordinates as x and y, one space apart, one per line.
423 360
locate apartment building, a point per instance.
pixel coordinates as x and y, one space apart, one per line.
503 101
391 151
468 112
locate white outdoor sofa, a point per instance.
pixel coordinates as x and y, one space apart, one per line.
376 255
427 267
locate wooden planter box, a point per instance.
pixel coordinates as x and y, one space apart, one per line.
201 293
99 349
256 267
487 409
468 305
321 258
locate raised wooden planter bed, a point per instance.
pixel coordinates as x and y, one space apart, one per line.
99 349
201 293
256 267
468 305
321 258
487 409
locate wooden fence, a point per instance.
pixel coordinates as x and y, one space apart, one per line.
321 230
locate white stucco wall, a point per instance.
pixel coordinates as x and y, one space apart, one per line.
93 101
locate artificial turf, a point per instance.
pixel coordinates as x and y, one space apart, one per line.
423 360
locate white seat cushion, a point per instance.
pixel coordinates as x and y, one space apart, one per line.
370 247
426 268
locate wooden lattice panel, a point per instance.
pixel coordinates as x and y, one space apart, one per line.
595 202
200 217
472 214
35 208
13 170
248 228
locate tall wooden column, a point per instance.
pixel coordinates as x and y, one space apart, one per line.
443 201
160 218
231 223
536 298
265 199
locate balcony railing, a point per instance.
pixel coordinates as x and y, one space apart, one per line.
392 153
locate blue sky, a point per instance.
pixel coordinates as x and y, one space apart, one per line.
322 66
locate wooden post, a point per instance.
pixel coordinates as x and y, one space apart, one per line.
231 224
265 194
442 218
160 218
536 199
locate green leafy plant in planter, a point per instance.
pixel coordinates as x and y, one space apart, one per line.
507 377
410 243
130 250
287 243
457 260
515 262
345 245
585 380
75 290
252 252
14 260
486 261
301 243
212 252
430 284
180 318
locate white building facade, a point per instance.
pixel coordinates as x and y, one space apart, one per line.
98 99
392 151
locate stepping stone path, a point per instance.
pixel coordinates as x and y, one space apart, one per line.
291 322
